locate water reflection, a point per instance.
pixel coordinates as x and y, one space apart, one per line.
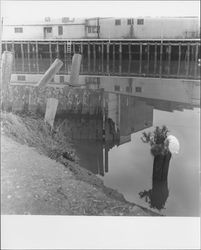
157 196
116 67
130 105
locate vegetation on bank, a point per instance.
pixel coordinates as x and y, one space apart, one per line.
31 130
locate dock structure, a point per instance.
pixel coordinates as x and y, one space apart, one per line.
153 52
95 47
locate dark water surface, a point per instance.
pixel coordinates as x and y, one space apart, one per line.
154 97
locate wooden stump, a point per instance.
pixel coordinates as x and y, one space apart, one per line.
161 167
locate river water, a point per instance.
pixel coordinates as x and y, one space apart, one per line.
139 97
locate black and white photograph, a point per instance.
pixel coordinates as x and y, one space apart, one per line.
100 115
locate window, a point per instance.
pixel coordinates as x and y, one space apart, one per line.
18 30
47 19
61 79
140 21
128 89
118 22
60 30
130 21
48 29
21 77
92 29
138 89
65 19
116 88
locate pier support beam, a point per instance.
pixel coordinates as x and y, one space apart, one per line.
57 49
179 60
169 57
22 50
148 57
89 54
94 51
140 68
81 48
114 51
50 50
129 52
196 59
187 59
155 57
120 51
161 58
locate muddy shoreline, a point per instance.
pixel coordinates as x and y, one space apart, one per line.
30 130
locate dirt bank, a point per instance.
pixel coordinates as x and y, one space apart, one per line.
41 175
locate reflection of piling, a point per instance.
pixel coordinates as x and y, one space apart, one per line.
161 167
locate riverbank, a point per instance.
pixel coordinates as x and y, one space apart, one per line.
41 174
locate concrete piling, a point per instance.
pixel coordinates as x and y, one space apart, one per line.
75 71
50 73
6 71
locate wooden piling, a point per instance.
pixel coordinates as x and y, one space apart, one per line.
94 51
120 51
161 59
75 71
50 50
50 73
89 54
13 48
57 49
169 57
22 50
187 59
155 57
148 57
196 59
129 52
140 68
73 48
179 60
81 48
113 51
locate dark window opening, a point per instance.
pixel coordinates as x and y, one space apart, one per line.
128 89
118 22
92 29
18 30
116 88
21 77
61 79
138 89
140 21
48 29
65 19
130 21
47 19
60 30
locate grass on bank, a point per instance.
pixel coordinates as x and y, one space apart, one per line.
34 132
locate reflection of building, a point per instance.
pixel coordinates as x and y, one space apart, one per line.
122 107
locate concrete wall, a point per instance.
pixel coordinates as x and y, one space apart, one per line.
177 90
